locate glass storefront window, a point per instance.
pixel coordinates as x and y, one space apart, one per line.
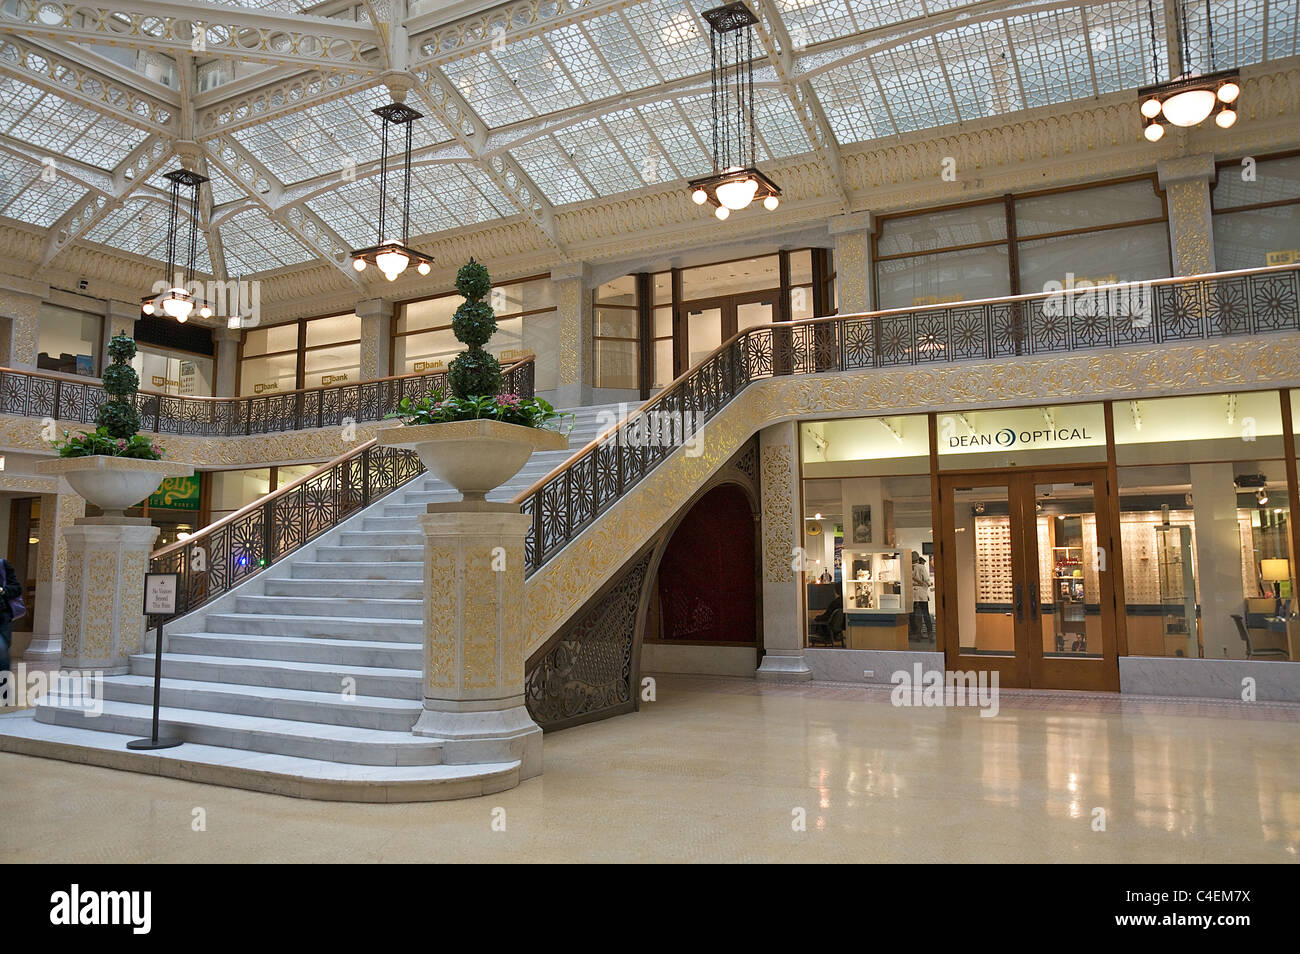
951 228
616 335
334 365
956 275
1198 427
172 372
269 375
1255 217
333 329
731 278
425 352
235 489
1106 257
868 534
1059 434
271 339
69 341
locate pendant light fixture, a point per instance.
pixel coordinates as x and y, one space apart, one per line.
391 256
1192 97
736 182
177 301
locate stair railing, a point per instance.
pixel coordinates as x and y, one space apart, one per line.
570 498
40 394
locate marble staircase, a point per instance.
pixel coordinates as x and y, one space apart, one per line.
306 679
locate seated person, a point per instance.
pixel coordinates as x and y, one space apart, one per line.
836 604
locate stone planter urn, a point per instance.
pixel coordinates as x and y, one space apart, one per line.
475 457
108 556
113 483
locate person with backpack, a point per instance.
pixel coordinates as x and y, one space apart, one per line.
11 608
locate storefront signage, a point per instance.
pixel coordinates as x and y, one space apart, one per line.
161 381
266 386
327 379
428 366
177 493
1287 256
517 354
1010 437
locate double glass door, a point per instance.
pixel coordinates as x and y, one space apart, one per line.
709 322
1028 577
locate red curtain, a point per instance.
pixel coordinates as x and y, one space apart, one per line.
706 578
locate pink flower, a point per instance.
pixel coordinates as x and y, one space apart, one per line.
508 400
121 444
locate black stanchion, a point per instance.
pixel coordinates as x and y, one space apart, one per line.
159 602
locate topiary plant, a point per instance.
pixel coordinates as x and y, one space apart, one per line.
474 373
118 416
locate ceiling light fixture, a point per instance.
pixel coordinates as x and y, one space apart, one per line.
1192 97
178 301
736 183
390 256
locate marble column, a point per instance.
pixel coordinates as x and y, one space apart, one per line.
1187 182
119 319
782 516
474 636
576 370
376 338
103 619
59 511
227 364
852 234
20 306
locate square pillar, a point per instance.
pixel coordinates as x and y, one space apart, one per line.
376 337
119 319
58 513
782 520
20 335
227 363
853 265
103 619
576 369
1186 182
474 636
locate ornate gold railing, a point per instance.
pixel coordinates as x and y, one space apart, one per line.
38 394
569 499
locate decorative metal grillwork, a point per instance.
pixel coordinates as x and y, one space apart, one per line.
587 672
32 394
1250 302
220 557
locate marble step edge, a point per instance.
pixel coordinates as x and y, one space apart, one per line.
401 684
285 775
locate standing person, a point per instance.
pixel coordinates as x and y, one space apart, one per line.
12 588
921 599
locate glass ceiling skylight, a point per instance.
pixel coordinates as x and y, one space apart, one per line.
588 109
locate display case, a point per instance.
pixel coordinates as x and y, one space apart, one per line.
1177 591
877 581
1068 600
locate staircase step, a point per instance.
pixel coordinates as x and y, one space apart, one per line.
365 712
372 606
339 554
412 589
358 570
284 674
308 740
329 627
383 538
347 652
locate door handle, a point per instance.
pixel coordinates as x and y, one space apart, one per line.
1033 600
1020 596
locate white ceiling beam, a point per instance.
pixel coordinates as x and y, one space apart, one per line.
74 81
251 108
298 220
92 177
209 29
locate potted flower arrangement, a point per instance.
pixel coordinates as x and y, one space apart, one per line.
113 466
474 438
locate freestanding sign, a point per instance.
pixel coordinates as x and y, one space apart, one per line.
160 590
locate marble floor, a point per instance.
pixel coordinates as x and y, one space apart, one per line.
722 769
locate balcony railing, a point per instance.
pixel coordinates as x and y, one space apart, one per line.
36 394
1250 302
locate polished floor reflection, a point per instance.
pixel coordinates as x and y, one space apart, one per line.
723 769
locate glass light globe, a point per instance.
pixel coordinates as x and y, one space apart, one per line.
1154 132
771 202
205 312
699 197
1189 107
722 212
1226 119
359 264
735 195
147 308
1151 108
392 263
177 304
423 268
1229 92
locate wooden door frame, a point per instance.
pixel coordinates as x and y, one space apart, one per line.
1028 667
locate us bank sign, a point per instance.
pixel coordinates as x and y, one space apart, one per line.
1010 437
